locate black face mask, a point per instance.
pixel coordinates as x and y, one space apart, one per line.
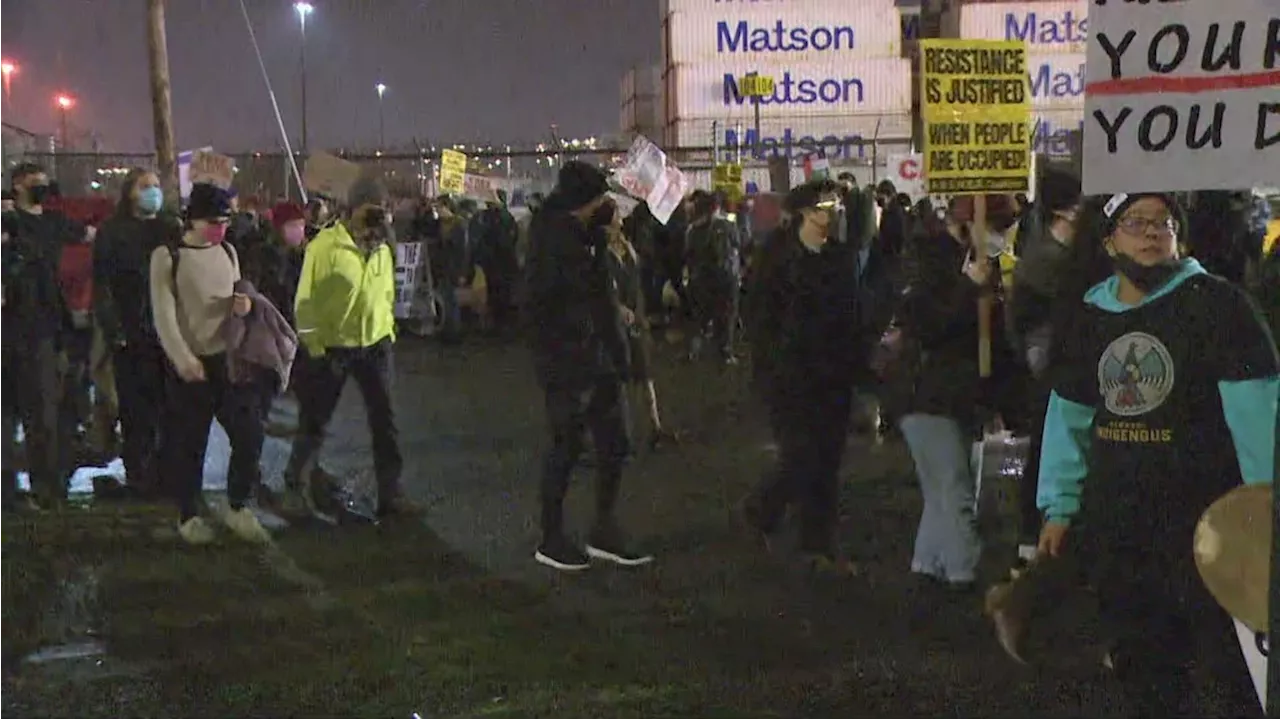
37 194
1144 277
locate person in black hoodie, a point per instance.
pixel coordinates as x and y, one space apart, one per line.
581 360
35 320
122 304
801 310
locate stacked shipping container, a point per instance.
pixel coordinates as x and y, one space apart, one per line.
841 80
640 112
1055 33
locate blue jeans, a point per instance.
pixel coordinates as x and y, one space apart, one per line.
947 543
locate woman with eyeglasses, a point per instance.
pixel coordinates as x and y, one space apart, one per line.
1165 398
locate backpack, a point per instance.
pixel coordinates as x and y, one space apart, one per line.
711 246
175 255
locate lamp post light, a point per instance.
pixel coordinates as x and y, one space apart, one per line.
303 9
382 128
64 102
8 69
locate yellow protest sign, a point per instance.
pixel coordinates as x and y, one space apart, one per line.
453 172
756 86
977 110
728 179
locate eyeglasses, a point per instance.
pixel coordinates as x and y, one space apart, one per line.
1138 226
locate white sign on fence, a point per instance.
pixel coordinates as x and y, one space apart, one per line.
906 172
1181 96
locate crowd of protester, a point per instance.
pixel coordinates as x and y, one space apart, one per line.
1129 343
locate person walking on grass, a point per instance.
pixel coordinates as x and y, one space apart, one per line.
192 295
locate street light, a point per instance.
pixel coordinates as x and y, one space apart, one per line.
8 69
64 102
304 9
382 128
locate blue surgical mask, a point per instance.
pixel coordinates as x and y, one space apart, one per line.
150 200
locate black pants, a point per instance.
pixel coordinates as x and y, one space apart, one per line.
811 437
141 371
33 398
715 301
1175 651
500 291
600 408
1029 517
318 396
190 407
76 407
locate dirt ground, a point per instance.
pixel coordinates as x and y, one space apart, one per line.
450 617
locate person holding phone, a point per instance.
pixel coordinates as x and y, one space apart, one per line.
191 297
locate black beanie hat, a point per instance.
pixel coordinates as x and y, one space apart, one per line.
579 183
1114 207
208 202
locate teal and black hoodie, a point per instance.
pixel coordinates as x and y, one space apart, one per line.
1161 408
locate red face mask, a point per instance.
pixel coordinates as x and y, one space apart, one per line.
215 232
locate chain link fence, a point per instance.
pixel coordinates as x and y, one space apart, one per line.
268 176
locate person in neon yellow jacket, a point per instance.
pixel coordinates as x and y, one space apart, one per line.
345 309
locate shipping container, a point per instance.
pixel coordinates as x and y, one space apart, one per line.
843 87
1061 26
814 32
642 81
848 137
1056 80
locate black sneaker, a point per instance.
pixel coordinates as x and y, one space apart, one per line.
560 553
610 545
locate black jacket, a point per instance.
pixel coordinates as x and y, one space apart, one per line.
121 275
33 306
937 371
578 336
801 310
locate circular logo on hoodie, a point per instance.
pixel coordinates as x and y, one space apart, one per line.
1135 374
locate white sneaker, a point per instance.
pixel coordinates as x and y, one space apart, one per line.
196 531
246 526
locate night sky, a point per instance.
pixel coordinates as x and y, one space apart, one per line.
497 71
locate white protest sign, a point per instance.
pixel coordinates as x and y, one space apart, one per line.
906 172
1182 96
1254 660
408 264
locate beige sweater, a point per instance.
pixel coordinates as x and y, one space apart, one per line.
189 318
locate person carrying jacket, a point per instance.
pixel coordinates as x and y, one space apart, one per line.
1166 400
345 311
192 286
581 361
801 311
35 323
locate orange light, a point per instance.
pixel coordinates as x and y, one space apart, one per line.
65 102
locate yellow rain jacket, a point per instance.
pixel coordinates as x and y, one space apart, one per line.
345 299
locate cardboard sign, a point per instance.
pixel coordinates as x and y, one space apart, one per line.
1182 96
211 168
906 172
330 176
479 187
977 112
453 171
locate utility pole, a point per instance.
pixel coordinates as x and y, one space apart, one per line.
161 100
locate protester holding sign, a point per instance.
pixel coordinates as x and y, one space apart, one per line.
1166 399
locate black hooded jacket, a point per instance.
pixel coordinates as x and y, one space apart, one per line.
121 274
578 335
802 317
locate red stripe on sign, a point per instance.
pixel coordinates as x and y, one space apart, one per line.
1185 85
